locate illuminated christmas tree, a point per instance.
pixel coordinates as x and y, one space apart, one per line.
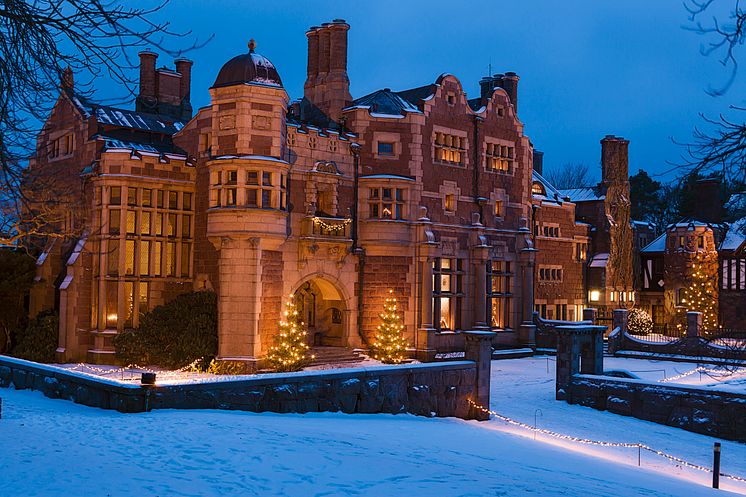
639 322
389 345
702 293
290 351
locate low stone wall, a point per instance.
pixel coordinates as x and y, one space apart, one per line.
690 346
434 389
709 412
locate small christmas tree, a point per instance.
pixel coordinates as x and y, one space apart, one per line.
389 345
290 351
702 293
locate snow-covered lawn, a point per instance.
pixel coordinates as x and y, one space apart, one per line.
53 447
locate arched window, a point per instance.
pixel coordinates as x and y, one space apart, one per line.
537 188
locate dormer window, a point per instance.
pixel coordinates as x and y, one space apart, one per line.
537 188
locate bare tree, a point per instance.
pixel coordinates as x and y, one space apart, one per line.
39 40
719 144
569 175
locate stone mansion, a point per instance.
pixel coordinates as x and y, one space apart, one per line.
330 199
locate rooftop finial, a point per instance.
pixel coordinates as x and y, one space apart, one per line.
252 45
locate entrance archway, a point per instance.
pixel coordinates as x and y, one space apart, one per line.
323 309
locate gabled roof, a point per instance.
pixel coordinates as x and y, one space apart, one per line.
657 245
584 194
735 238
552 194
386 102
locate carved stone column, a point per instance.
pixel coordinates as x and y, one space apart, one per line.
527 329
480 256
479 350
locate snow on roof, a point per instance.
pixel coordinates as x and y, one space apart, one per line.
385 103
735 238
657 245
552 194
585 194
643 224
111 143
386 176
599 260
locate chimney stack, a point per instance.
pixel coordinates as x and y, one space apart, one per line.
184 67
539 161
147 100
614 160
327 85
67 81
709 200
509 82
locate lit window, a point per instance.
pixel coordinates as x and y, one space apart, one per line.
537 188
450 202
499 158
114 221
498 208
145 222
449 149
595 295
115 195
129 257
173 200
187 200
144 258
386 203
448 294
499 294
147 197
131 196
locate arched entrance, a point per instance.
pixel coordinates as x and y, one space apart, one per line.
324 312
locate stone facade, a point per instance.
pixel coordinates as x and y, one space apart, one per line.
328 200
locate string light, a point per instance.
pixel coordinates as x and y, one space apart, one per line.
389 345
601 443
333 228
290 351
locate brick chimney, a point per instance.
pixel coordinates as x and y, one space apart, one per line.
614 160
709 200
147 99
327 85
509 82
67 80
184 67
539 161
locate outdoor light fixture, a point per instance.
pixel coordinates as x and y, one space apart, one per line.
595 295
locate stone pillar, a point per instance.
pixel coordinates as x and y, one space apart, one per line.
425 351
479 350
576 343
620 320
480 257
527 328
589 314
693 324
239 301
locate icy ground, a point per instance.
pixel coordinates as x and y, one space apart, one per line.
53 447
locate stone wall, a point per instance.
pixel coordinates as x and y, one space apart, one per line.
436 389
714 413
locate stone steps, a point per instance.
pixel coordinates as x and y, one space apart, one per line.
333 355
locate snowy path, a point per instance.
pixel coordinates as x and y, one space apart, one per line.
521 386
56 448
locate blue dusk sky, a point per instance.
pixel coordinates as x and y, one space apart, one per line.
587 68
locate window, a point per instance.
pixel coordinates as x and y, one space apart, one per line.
173 200
291 138
550 231
186 249
129 303
560 312
159 199
682 241
115 195
132 196
312 141
700 242
170 259
61 147
451 99
386 203
171 226
447 293
111 304
499 158
129 257
159 224
450 203
498 208
332 145
114 221
112 254
142 306
581 252
144 258
131 222
157 259
186 226
147 197
386 148
449 149
733 276
499 294
537 188
550 273
145 217
186 198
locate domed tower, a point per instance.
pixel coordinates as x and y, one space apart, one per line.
248 193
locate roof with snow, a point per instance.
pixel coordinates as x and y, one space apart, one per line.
388 103
735 238
125 118
584 194
599 260
657 245
112 143
552 194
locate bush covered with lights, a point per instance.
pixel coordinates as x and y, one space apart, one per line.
639 322
38 342
174 335
290 350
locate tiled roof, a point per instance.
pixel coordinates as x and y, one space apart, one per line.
125 118
585 194
158 148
